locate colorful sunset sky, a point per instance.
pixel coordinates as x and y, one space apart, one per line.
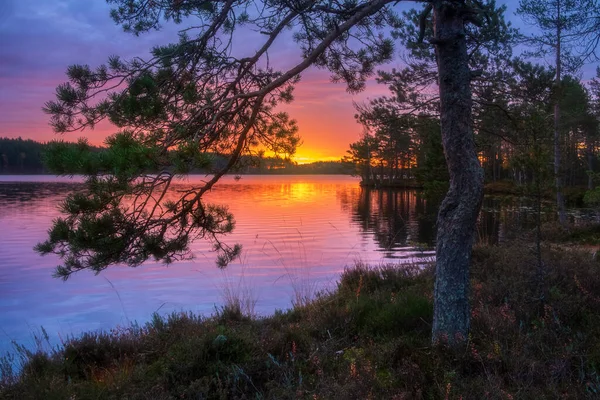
40 38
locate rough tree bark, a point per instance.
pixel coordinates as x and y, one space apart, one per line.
460 208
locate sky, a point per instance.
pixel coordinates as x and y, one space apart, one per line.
40 38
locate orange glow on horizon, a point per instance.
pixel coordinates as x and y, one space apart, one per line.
307 158
324 112
320 146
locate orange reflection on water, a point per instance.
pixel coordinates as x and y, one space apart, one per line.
296 232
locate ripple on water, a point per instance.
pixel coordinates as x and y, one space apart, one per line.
295 230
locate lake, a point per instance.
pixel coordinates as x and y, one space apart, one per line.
298 233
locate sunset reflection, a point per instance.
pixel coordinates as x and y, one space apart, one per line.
295 231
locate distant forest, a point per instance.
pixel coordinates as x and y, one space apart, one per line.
25 156
21 156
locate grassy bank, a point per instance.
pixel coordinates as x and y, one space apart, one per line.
573 195
533 336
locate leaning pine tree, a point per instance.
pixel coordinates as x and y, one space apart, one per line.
196 98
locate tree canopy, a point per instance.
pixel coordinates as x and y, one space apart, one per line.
190 99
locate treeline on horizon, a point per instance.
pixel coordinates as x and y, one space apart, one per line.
21 156
26 156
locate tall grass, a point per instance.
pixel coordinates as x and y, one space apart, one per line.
238 293
298 270
23 358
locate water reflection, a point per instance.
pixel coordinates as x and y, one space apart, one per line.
297 232
293 230
398 220
505 217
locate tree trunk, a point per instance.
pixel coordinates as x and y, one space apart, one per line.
560 198
590 163
460 208
494 166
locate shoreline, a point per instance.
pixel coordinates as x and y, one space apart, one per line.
367 337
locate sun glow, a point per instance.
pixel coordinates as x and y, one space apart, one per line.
307 156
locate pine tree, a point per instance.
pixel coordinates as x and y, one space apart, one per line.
561 23
195 98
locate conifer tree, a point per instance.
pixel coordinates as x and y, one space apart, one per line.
196 97
562 24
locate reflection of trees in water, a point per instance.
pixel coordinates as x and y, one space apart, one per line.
27 195
26 191
504 218
396 218
399 218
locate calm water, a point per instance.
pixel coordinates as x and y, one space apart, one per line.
298 233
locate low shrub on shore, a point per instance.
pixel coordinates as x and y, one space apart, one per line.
582 234
535 334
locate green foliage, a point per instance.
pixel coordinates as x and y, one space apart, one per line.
123 157
107 224
382 316
191 106
564 21
592 197
434 189
188 157
97 224
405 125
432 171
402 148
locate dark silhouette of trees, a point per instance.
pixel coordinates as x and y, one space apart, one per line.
563 24
399 150
18 156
